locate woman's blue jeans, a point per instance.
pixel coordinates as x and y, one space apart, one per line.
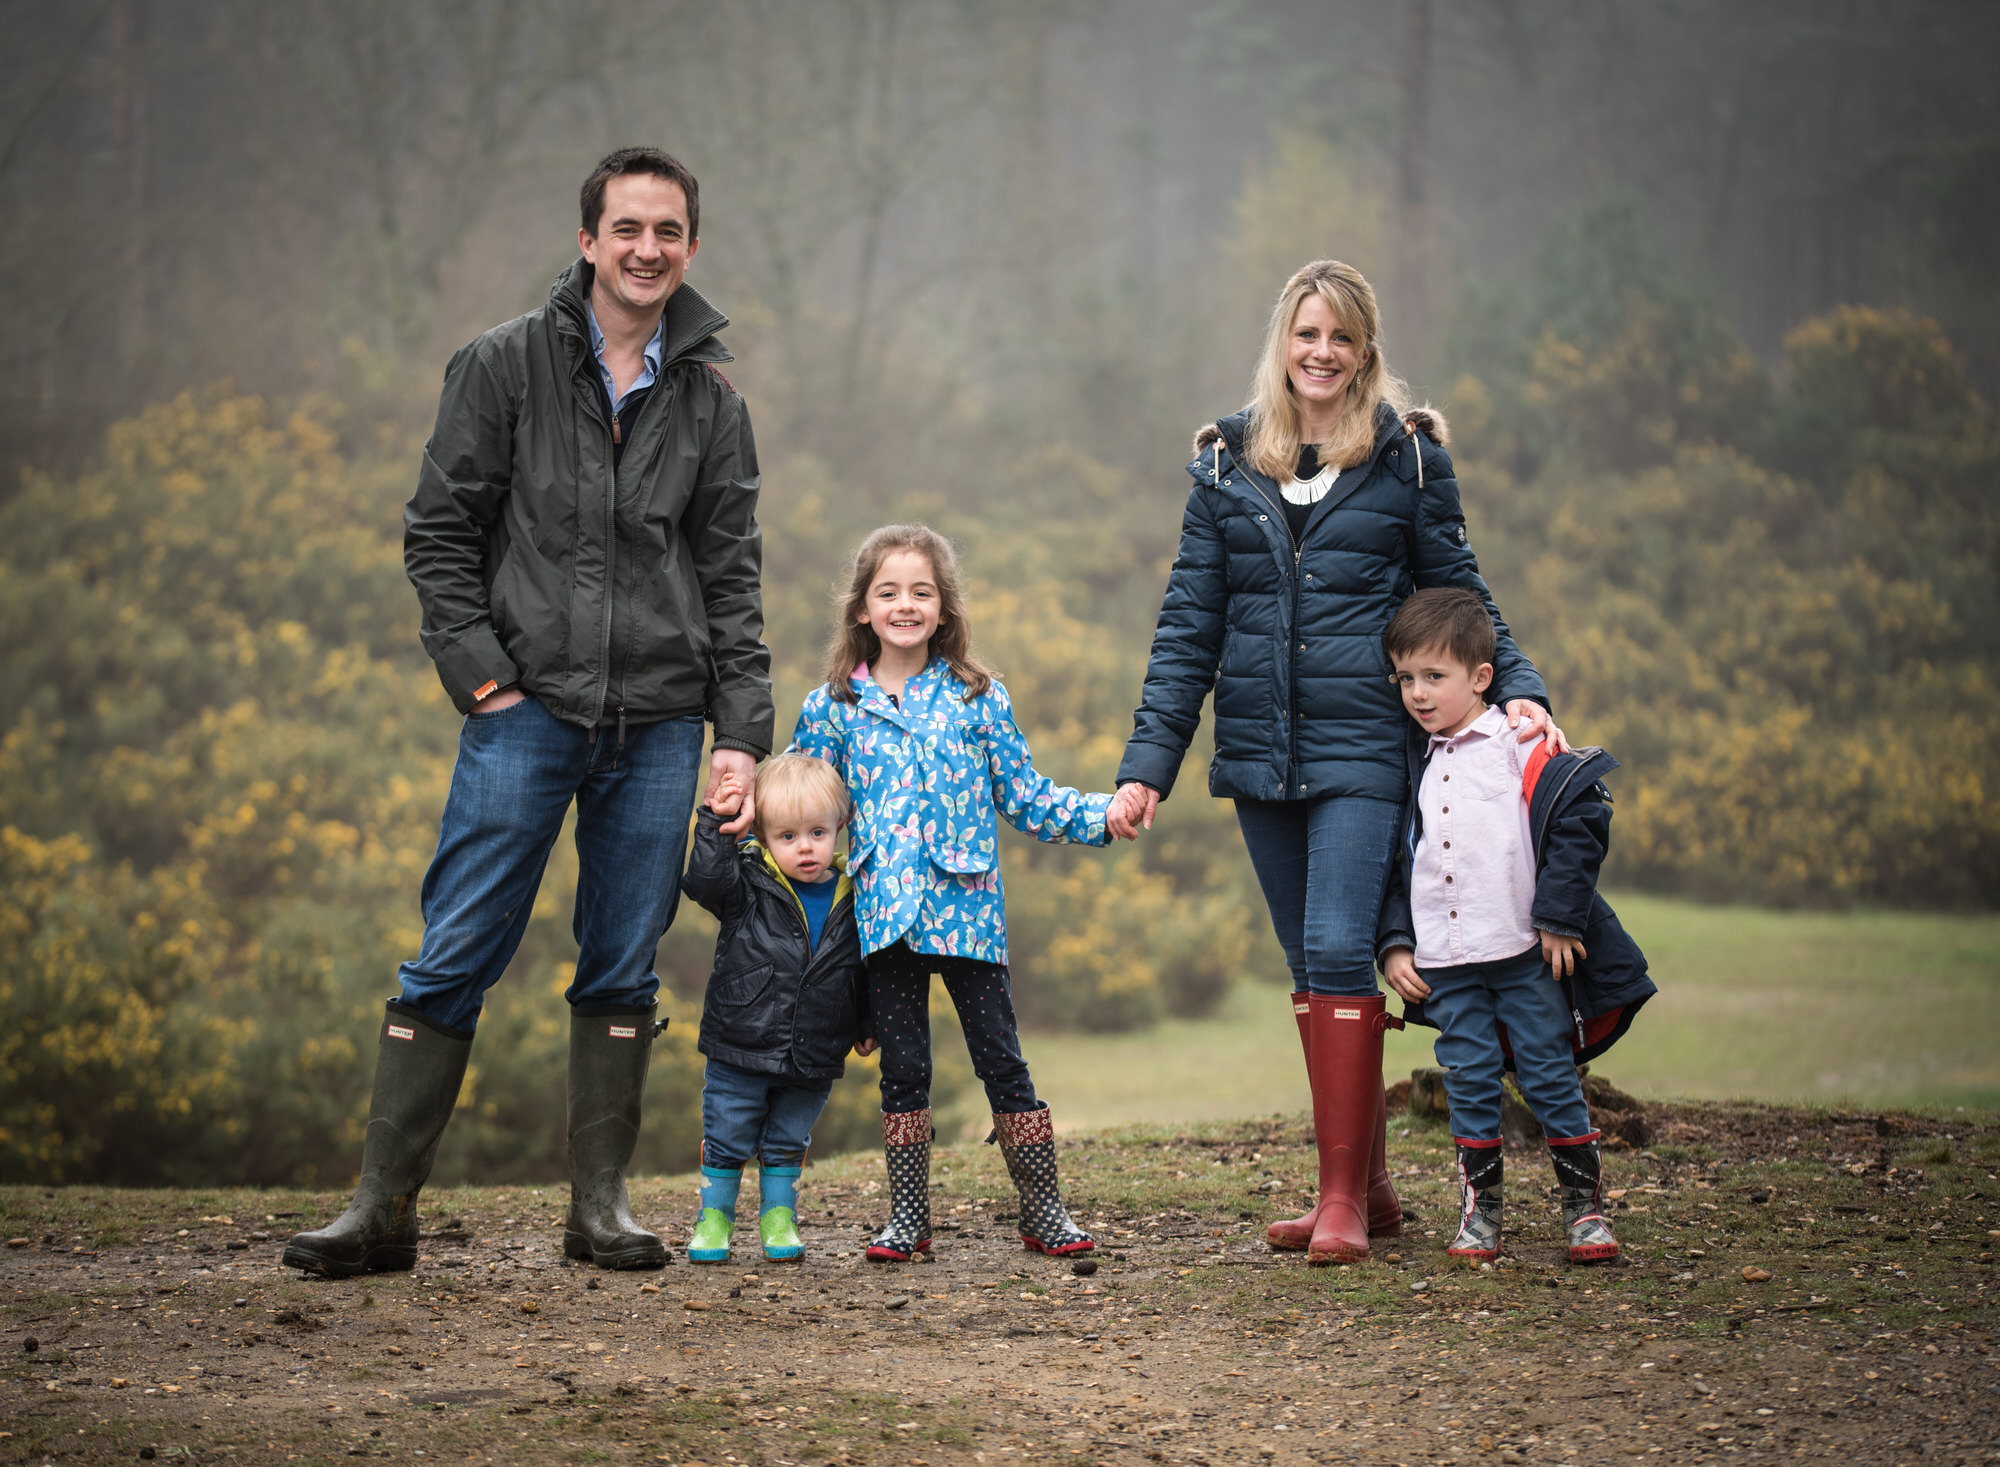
1323 865
517 773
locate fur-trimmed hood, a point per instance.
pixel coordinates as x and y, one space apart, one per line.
1426 420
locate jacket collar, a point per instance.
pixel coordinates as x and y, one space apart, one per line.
785 883
918 693
688 326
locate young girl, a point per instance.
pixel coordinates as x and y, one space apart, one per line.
926 740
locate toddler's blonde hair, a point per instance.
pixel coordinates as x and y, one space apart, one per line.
797 785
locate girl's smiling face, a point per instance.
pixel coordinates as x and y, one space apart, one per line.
903 604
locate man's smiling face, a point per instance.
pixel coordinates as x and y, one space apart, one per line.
642 246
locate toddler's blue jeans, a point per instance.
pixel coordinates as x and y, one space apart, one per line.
748 1115
517 773
1470 1002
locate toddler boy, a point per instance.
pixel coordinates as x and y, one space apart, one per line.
787 996
1493 930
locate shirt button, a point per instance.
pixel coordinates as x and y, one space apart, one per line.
1447 809
1454 914
1447 881
1447 779
1447 845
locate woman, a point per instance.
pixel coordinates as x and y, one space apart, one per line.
1315 512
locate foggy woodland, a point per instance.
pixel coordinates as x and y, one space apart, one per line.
1709 292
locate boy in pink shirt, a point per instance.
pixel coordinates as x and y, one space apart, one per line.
1484 930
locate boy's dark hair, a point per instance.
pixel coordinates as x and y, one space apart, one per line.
639 160
1450 618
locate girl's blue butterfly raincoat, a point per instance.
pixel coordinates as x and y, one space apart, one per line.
928 779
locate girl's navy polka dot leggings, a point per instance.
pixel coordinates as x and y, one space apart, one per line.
899 991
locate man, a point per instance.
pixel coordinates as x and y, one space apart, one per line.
584 542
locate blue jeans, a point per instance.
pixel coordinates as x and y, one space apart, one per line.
745 1115
517 772
1323 865
1471 1003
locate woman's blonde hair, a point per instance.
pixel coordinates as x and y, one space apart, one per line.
1272 445
854 642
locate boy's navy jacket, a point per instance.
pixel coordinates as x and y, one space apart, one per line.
775 1003
1569 820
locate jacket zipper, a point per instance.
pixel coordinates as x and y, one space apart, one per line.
1298 556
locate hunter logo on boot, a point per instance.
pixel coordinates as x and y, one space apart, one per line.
624 1031
397 1031
1347 1013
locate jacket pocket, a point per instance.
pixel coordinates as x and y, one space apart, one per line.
966 860
732 994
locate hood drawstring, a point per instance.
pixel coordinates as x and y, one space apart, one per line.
1217 446
1410 426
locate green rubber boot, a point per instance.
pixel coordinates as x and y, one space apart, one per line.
777 1215
710 1241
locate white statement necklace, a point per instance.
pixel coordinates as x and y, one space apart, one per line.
1310 491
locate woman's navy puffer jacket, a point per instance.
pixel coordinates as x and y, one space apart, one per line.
1290 636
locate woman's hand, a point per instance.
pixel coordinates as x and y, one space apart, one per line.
1527 711
864 1047
1132 807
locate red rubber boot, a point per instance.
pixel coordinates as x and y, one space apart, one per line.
1346 1067
1385 1208
1297 1232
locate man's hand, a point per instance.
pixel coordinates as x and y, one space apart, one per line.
725 794
1561 953
1536 718
498 702
1399 966
865 1047
728 764
1133 806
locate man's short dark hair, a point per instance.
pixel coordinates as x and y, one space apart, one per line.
639 160
1449 618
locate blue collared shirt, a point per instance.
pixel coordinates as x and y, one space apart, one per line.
647 373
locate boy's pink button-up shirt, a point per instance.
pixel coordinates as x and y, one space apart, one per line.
1472 887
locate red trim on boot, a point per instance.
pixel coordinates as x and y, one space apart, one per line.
1347 1087
1024 1127
906 1127
1557 1140
1479 1145
877 1253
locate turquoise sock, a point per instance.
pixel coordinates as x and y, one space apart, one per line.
778 1186
718 1189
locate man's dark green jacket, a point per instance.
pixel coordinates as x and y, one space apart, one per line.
607 586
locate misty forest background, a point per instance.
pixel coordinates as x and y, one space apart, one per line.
1708 291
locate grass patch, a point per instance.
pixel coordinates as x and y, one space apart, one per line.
1810 1007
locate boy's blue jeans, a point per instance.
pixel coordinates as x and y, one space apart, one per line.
1469 1003
517 773
746 1115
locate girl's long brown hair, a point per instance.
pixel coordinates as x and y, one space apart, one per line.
854 641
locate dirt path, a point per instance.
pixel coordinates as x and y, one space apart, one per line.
163 1325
